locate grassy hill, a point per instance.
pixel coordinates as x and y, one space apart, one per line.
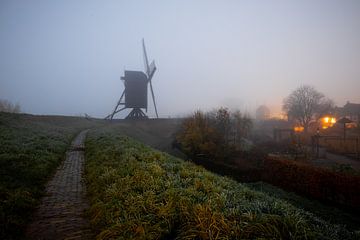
31 148
136 191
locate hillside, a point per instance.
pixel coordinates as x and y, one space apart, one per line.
136 191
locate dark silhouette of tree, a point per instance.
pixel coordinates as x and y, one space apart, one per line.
222 123
242 125
305 104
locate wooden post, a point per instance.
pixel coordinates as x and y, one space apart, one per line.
317 146
312 146
275 135
357 148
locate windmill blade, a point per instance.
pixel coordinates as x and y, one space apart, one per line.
146 61
153 97
152 68
151 88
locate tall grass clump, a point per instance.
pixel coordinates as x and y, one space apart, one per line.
31 147
139 193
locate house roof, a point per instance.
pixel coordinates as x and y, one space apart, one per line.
344 120
352 107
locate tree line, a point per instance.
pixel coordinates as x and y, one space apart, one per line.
216 134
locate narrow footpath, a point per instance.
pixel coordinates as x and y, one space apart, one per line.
61 212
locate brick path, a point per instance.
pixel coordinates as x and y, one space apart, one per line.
60 214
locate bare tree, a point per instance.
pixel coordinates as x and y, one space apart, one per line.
242 125
6 106
325 107
222 122
305 104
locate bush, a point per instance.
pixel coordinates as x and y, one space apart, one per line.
198 136
215 135
313 182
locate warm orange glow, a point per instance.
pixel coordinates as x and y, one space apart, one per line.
298 129
327 122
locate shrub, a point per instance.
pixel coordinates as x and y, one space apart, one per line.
198 136
215 135
314 182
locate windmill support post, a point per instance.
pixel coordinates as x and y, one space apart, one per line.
117 105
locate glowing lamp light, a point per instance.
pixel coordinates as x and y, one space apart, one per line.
298 129
327 122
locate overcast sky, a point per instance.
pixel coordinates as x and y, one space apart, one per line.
66 57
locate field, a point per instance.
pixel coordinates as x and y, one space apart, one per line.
136 191
31 148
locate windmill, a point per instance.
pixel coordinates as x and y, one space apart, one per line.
134 95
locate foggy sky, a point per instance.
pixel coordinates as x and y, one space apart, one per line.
66 57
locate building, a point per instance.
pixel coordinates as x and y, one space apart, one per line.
350 111
262 113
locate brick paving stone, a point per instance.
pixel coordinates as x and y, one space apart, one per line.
60 214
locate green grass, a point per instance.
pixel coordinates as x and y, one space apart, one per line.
140 193
329 213
31 147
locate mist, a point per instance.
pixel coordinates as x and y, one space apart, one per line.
66 57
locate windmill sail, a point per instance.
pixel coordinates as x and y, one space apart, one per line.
153 97
150 70
146 61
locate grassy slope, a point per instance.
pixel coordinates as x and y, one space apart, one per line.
31 148
160 134
136 191
329 213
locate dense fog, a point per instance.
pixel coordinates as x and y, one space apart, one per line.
67 57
